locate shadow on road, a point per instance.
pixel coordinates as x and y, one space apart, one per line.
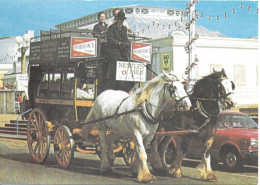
220 167
78 165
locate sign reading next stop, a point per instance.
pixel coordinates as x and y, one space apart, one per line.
141 52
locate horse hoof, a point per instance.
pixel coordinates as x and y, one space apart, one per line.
146 178
212 177
176 173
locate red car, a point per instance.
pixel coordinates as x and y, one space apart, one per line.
236 142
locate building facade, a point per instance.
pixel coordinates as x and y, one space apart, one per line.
239 58
166 27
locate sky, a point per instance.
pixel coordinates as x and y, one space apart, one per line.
18 16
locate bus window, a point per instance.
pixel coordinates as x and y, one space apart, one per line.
85 90
43 87
55 85
67 86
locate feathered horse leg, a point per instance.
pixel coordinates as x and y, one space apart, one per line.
143 173
155 158
204 166
175 169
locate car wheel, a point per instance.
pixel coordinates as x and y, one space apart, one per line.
170 154
232 160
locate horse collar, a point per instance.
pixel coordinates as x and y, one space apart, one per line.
147 115
201 110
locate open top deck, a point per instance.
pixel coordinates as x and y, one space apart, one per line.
62 47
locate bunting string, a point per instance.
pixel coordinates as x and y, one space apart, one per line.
198 15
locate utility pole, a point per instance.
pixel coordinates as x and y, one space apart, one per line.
190 46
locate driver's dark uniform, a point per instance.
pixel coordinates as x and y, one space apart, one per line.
116 52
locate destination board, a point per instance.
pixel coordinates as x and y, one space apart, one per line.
59 50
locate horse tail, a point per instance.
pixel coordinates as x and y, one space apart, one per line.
86 129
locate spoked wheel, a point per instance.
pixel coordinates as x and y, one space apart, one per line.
129 153
63 146
38 138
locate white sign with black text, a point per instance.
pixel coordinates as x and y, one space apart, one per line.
130 71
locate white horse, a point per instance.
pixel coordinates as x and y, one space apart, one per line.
144 110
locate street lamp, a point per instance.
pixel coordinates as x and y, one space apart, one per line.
23 45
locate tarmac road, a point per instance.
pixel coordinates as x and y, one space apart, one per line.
17 167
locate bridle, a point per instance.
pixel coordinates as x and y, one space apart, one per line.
222 97
144 110
171 89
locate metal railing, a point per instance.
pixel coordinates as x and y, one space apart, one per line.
17 127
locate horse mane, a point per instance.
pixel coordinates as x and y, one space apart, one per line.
207 81
145 92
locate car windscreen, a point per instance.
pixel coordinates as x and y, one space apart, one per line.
236 121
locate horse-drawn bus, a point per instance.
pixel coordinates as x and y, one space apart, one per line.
66 95
65 69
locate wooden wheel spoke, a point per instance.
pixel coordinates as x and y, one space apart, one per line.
36 122
37 136
35 126
66 157
36 147
62 135
65 154
40 122
42 149
38 150
31 141
59 137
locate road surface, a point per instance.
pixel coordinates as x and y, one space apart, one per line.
17 167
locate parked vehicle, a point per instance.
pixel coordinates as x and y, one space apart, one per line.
236 143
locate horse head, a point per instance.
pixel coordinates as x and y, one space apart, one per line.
226 89
176 91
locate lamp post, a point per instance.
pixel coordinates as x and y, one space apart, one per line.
23 45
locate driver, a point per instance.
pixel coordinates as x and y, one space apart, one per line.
119 47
